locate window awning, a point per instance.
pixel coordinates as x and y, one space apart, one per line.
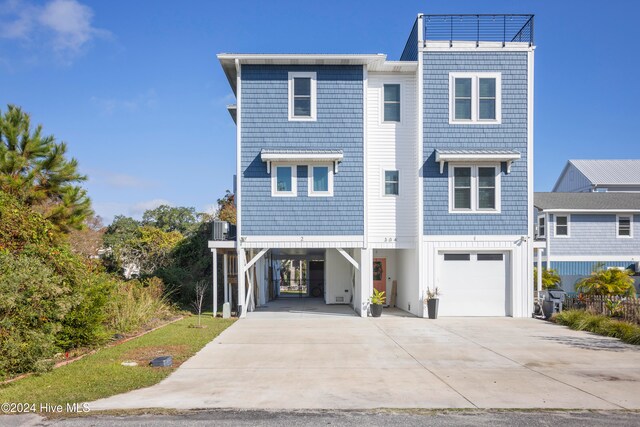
301 156
507 156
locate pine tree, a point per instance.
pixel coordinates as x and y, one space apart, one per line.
34 168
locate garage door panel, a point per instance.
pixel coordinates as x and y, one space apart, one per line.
473 284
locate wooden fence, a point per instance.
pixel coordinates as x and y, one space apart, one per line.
624 308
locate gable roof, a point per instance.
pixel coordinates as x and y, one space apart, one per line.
607 172
587 201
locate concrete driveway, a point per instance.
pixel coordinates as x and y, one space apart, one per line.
300 354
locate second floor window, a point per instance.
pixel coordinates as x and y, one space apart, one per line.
320 181
541 226
475 98
283 181
392 103
474 188
391 183
302 96
562 226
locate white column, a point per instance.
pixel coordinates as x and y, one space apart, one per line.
241 281
215 281
539 256
366 280
225 278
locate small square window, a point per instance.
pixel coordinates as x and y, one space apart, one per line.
283 180
474 188
562 226
391 183
392 103
624 226
320 180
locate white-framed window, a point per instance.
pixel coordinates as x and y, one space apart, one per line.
391 182
475 98
284 182
562 225
624 226
541 226
391 103
320 180
474 188
302 96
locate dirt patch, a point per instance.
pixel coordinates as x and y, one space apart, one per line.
144 355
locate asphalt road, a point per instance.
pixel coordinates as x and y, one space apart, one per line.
345 418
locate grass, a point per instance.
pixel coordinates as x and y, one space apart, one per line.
101 374
582 320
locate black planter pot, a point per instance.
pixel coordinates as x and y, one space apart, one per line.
376 310
432 306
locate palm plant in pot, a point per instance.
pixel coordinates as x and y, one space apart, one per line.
377 300
432 299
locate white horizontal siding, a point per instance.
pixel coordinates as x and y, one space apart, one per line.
392 146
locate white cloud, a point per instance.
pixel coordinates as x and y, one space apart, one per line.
64 25
149 99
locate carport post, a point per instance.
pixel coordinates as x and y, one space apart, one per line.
539 284
215 281
225 278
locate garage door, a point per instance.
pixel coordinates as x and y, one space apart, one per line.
474 284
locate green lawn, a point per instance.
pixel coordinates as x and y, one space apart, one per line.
101 374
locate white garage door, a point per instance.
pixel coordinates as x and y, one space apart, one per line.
474 284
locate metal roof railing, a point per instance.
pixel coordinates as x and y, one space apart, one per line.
478 28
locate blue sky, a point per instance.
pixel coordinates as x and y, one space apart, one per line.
136 91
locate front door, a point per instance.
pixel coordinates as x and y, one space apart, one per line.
380 274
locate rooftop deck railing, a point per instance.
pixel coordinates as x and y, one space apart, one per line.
479 28
475 28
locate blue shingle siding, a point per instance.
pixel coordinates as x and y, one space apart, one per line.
571 272
594 234
339 126
510 135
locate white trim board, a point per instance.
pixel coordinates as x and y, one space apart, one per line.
594 258
605 211
476 238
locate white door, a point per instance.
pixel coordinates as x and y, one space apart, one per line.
474 284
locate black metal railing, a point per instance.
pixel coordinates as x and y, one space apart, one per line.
410 52
478 28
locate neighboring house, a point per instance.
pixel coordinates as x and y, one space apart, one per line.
355 171
582 231
599 175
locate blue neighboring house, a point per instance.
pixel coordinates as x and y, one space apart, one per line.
357 172
591 219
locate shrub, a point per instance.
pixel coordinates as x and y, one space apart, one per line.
582 320
34 302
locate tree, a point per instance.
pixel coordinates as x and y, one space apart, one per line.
168 218
550 278
227 208
88 241
199 290
612 282
34 168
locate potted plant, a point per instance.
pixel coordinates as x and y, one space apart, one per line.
376 301
431 300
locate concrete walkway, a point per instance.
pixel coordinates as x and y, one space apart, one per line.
301 354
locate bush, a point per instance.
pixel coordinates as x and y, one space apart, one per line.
137 303
582 320
34 302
